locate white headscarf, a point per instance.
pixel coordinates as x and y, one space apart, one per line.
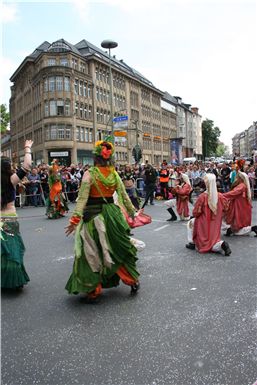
211 189
186 179
245 178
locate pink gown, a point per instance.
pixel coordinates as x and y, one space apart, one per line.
207 225
239 213
183 199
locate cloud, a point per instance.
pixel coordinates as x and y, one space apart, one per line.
9 13
8 66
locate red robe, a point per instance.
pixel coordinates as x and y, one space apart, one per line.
183 199
207 225
239 213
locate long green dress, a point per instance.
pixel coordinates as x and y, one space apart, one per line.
102 242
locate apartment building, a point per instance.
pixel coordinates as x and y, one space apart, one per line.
60 98
245 142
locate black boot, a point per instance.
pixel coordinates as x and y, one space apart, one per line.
190 246
229 232
254 229
226 248
135 288
173 215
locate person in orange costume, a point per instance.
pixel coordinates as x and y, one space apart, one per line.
104 253
56 203
204 228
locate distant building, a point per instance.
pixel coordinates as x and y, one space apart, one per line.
244 143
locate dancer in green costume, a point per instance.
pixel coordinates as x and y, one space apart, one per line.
104 254
13 273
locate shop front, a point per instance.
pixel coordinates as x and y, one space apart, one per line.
64 157
85 157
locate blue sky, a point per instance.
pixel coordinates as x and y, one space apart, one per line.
201 50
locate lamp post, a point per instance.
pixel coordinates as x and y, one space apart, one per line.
110 44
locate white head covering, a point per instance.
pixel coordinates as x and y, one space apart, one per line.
211 189
245 178
186 179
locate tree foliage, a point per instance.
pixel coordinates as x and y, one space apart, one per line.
5 118
210 137
222 149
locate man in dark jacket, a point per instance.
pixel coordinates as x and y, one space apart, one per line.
150 184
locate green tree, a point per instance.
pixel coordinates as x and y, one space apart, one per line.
5 118
210 137
222 149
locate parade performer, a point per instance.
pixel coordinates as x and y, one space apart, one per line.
56 202
239 215
164 180
182 192
204 228
128 179
13 273
103 251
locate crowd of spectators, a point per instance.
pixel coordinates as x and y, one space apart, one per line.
33 189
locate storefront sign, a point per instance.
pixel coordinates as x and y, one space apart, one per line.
59 154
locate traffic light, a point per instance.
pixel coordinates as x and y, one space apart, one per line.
137 153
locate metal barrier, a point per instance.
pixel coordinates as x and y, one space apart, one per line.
22 198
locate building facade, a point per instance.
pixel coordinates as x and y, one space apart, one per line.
61 99
245 143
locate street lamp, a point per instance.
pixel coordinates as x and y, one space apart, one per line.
110 44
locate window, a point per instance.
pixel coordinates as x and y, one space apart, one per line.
85 89
59 83
52 83
82 134
45 84
46 108
90 135
74 64
53 110
64 61
66 83
86 134
81 111
67 107
76 86
53 132
51 61
77 108
61 131
68 132
78 134
60 107
89 91
85 111
81 88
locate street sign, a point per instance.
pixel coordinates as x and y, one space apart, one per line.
120 133
120 121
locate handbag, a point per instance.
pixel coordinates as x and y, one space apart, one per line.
140 219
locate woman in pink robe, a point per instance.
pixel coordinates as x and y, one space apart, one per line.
204 228
182 194
239 215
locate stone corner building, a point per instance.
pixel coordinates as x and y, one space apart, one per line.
60 98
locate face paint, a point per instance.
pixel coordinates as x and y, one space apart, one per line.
105 153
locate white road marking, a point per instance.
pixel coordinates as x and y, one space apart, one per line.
158 220
160 228
63 258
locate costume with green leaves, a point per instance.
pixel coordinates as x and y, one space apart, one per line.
102 242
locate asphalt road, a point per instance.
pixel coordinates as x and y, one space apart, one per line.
192 323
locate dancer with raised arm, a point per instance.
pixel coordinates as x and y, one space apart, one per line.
13 273
104 254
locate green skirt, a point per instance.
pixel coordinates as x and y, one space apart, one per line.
13 273
102 246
